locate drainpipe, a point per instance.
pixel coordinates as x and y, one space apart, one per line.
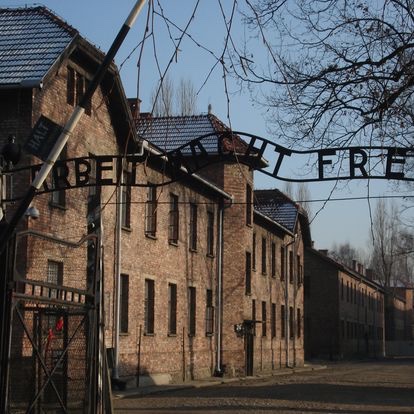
287 307
218 372
117 281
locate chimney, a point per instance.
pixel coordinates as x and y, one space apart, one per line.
370 274
323 251
354 265
135 107
209 109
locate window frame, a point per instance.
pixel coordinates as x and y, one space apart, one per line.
124 304
151 206
192 311
209 312
172 309
210 233
264 256
149 307
126 200
174 220
193 227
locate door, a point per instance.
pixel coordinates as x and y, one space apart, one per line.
249 346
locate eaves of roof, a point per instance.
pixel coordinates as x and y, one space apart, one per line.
273 222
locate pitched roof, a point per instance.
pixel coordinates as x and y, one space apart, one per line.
277 206
31 40
172 132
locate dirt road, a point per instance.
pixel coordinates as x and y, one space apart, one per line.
360 387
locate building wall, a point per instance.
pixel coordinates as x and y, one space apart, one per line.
159 354
346 311
241 304
179 356
321 308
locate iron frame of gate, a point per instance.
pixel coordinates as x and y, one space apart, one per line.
61 299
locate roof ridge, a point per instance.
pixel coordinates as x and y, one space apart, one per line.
45 11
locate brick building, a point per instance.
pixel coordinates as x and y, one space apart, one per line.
344 310
399 321
203 275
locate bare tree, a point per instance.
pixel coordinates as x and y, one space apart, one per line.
340 71
170 101
392 247
162 98
186 97
302 195
344 253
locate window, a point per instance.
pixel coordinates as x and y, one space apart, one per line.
173 230
151 212
299 270
124 304
264 256
193 227
191 311
59 178
291 267
282 321
273 320
54 276
298 323
126 200
210 233
248 204
209 312
264 319
76 88
149 307
254 316
273 259
248 287
282 263
254 252
291 323
172 309
342 289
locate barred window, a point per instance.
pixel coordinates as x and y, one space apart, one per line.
209 312
151 212
149 307
124 304
210 233
248 287
172 309
193 227
126 200
54 276
173 230
191 311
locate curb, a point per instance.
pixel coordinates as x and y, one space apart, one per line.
156 389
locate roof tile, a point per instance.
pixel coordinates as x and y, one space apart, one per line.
31 40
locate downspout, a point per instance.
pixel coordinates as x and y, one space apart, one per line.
218 372
117 277
287 311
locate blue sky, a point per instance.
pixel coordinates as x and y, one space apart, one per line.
100 20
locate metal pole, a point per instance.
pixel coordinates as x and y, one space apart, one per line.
69 126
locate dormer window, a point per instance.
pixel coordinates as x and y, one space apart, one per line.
76 87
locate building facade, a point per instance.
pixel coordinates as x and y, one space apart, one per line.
344 310
202 275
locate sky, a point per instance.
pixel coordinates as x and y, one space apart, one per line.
195 58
